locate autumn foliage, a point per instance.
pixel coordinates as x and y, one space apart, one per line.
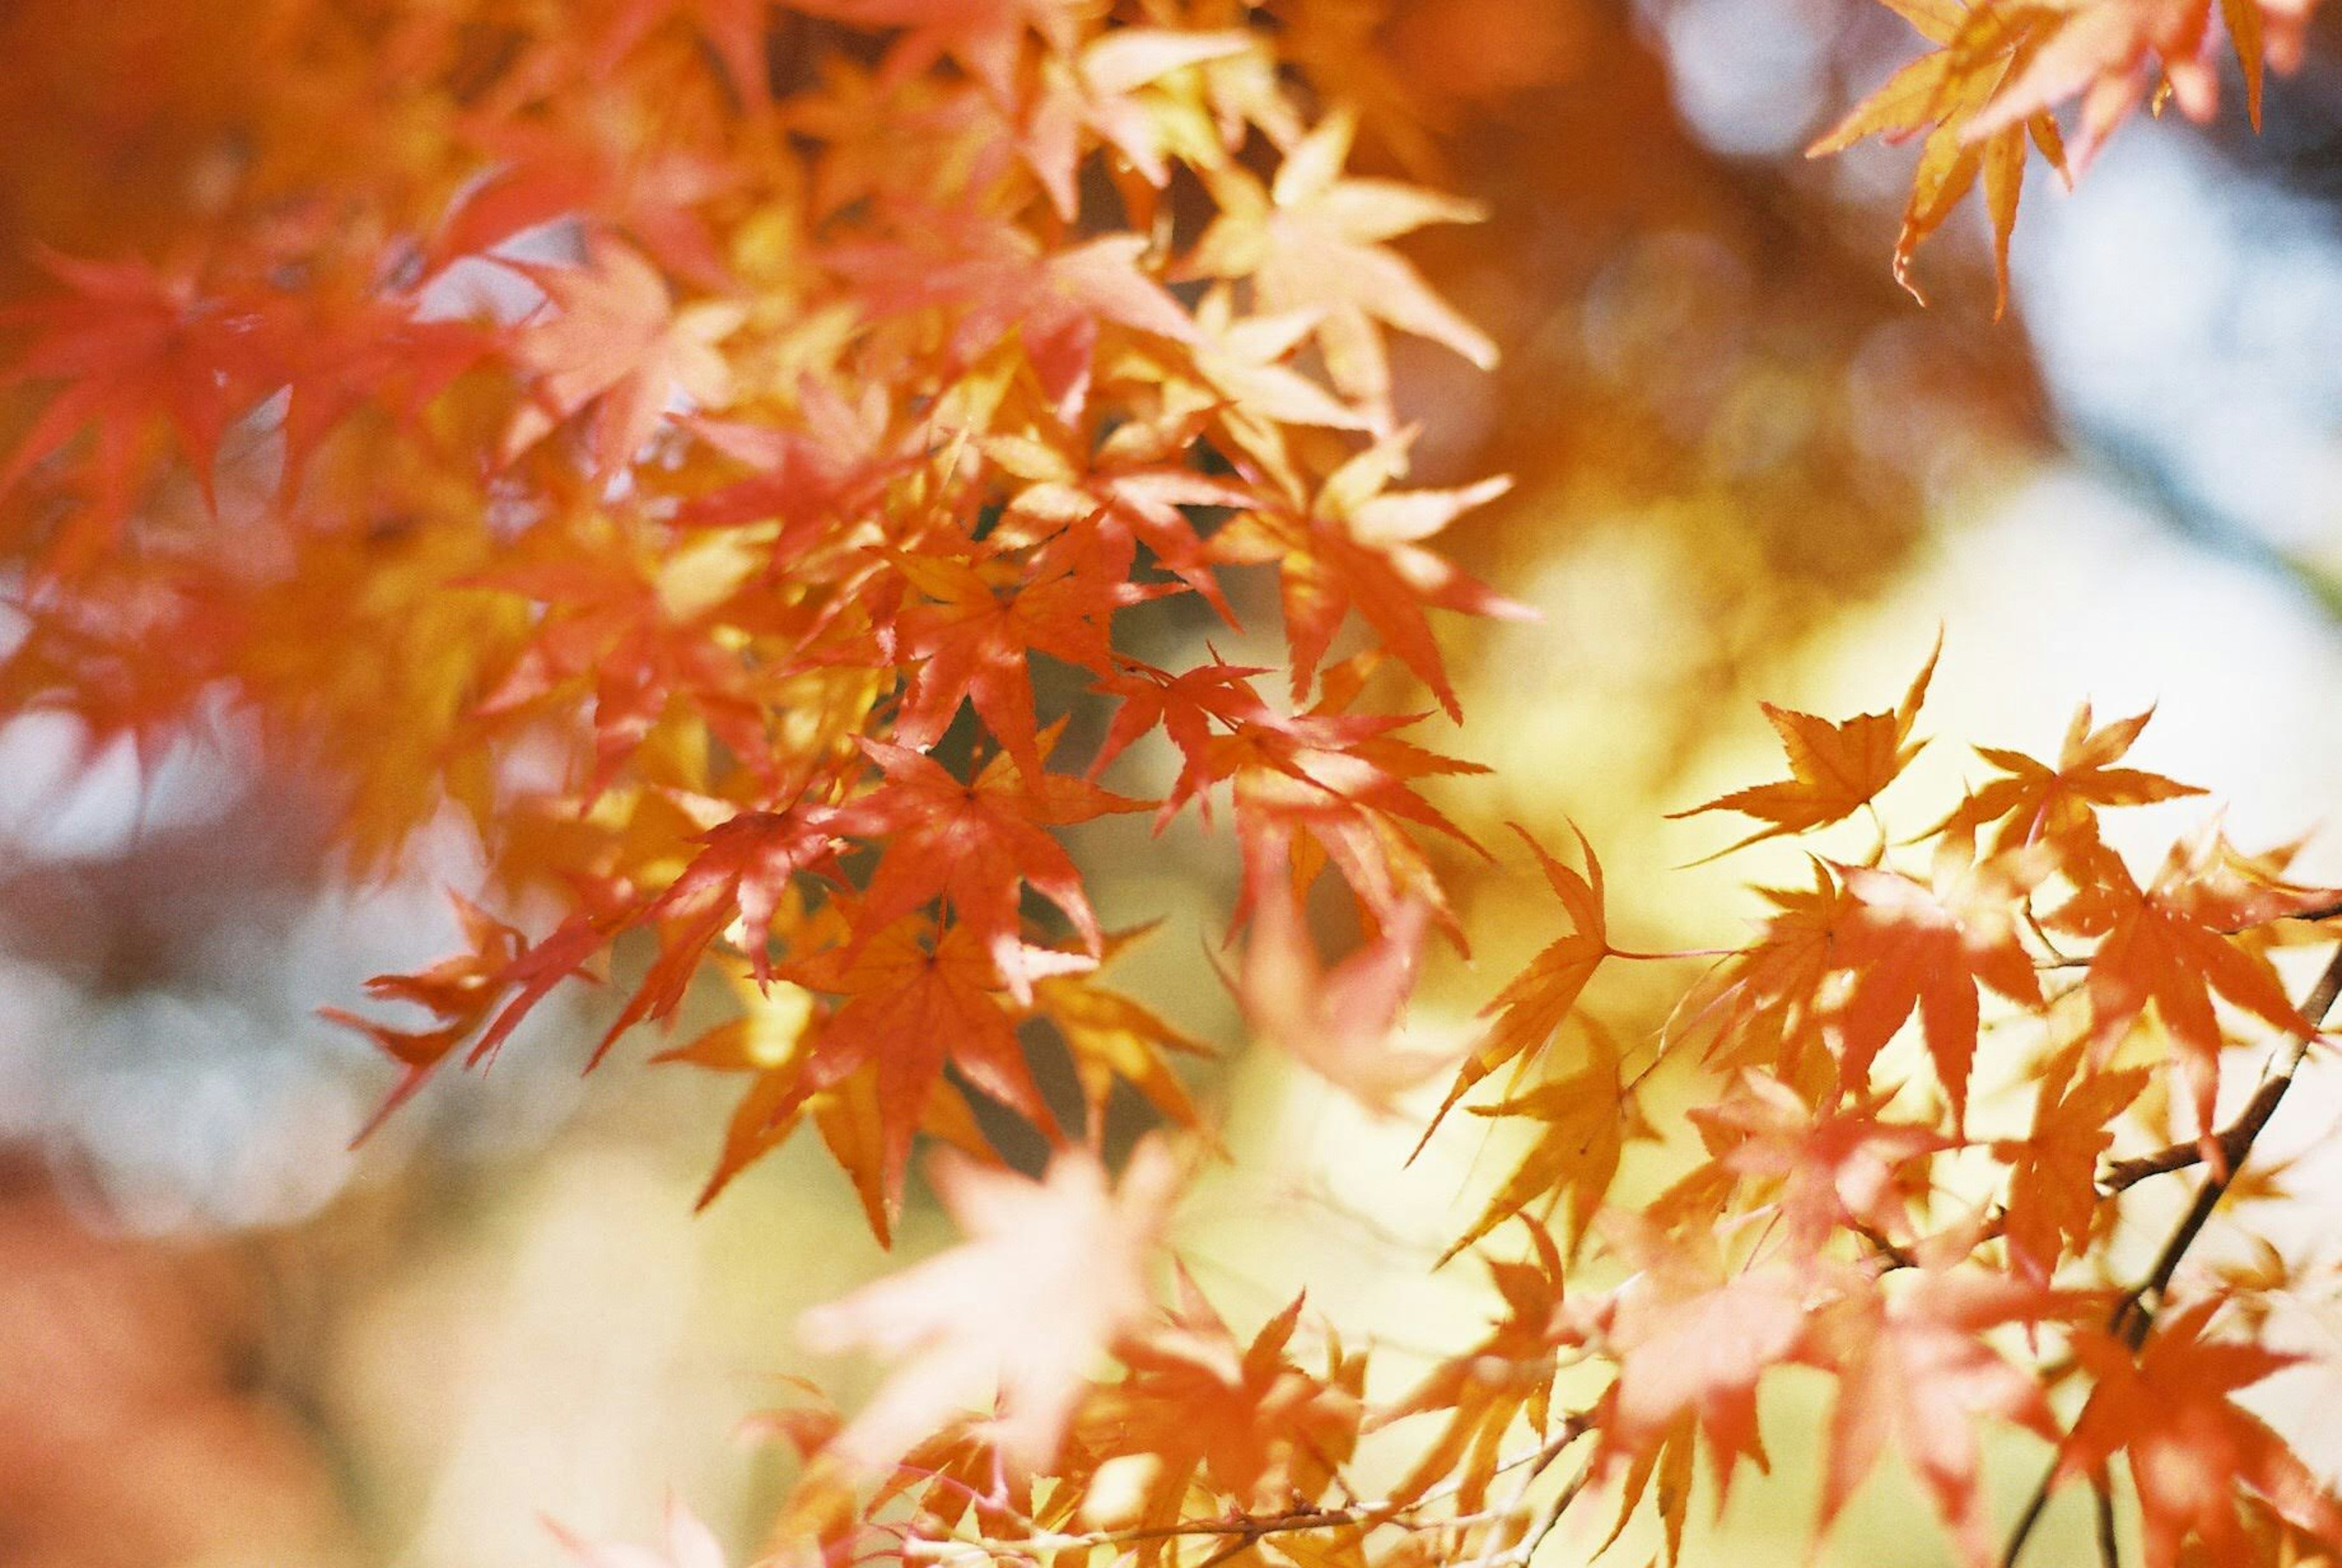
763 465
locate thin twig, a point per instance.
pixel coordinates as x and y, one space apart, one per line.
1242 1531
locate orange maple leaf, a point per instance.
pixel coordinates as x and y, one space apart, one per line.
2052 1206
1912 1364
2035 804
1358 546
1837 767
1911 945
1091 97
1980 50
134 347
1312 242
1508 1375
2191 1447
985 36
973 845
769 1042
1692 1338
1584 1121
1841 1166
1534 1003
2173 944
974 635
917 999
1243 1417
992 278
1111 1036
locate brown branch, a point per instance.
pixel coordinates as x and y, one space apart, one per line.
1241 1531
2110 1550
2133 1318
2232 1141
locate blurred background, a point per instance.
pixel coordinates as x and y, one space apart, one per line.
1747 465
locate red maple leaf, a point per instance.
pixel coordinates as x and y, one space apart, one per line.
974 632
975 844
134 347
2190 1446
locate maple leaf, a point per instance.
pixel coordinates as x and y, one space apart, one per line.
1185 707
2053 1206
734 29
1093 91
734 884
1762 1005
1243 365
816 481
1338 1023
1312 241
1359 546
1835 767
1692 1338
616 340
1122 503
2101 52
985 36
644 633
134 347
1536 1001
1507 1375
2171 944
1111 1036
1980 49
460 992
769 1042
973 635
973 845
1912 1365
1245 1418
1911 945
917 999
1584 1121
2191 1448
993 278
2035 804
1337 788
595 172
1836 1167
1060 1267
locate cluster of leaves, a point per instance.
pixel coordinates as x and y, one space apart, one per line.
1999 68
1839 1214
708 488
669 430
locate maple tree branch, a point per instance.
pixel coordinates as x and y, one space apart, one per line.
1891 1255
2109 1549
2132 1317
1242 1531
2232 1141
1519 1555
